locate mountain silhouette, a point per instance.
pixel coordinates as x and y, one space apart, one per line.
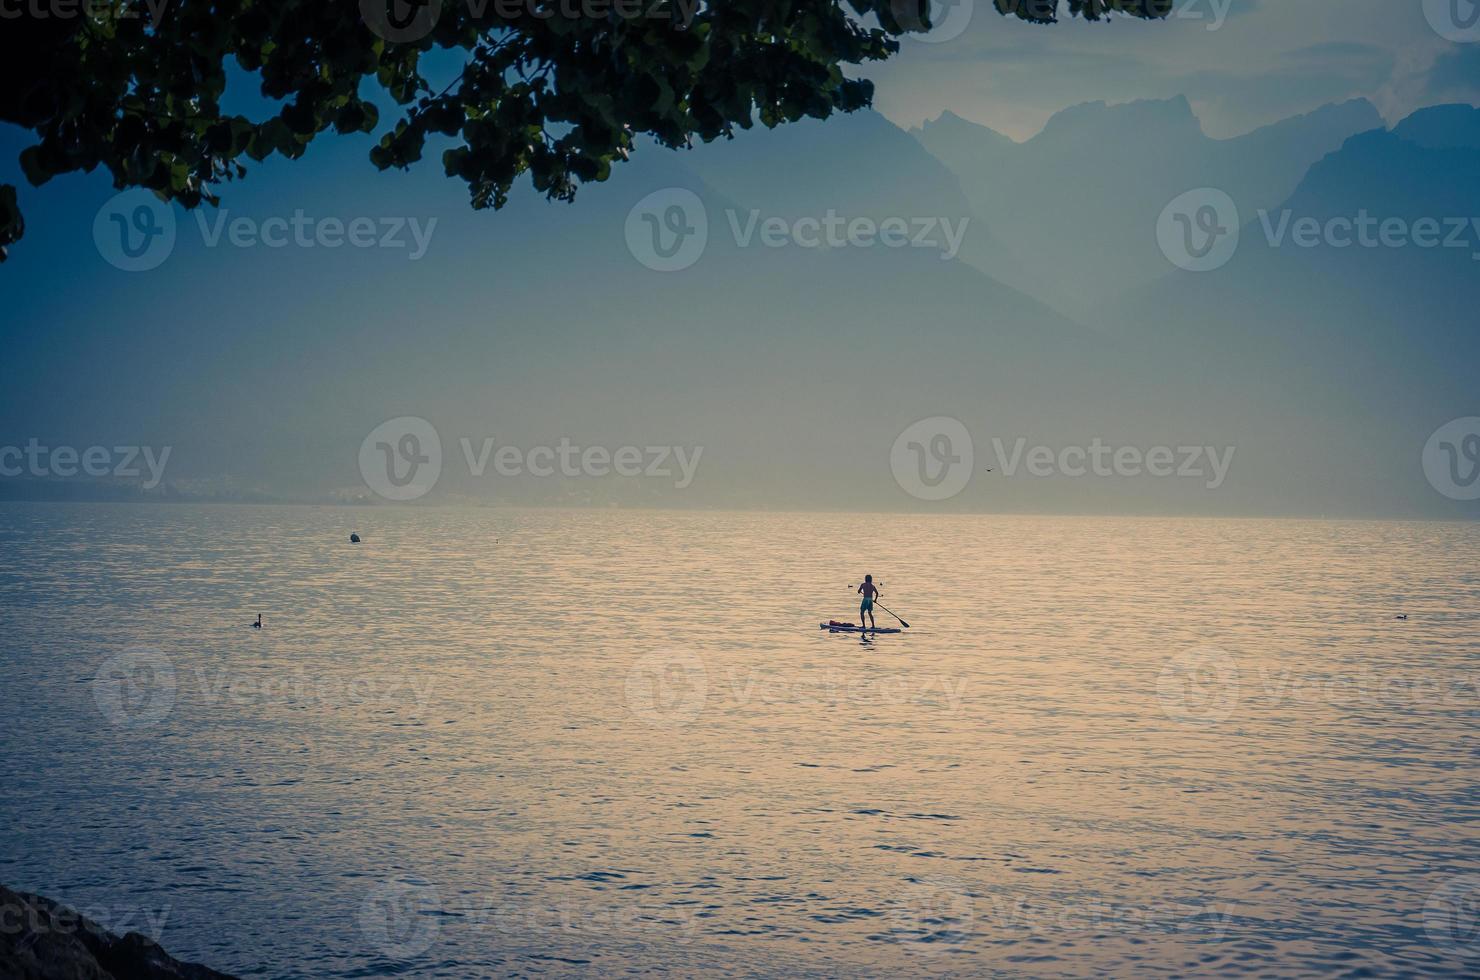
1341 357
1079 202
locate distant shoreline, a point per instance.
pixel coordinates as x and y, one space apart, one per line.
510 507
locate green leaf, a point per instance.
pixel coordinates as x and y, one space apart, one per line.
143 100
32 167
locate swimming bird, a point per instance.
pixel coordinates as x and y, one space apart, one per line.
258 625
1403 616
354 538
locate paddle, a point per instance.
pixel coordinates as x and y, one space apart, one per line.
883 607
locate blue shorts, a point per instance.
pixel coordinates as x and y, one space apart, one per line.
867 605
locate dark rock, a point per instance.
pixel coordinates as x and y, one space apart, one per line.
43 940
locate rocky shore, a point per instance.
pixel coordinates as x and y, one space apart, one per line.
43 940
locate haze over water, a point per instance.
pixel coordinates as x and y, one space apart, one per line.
485 742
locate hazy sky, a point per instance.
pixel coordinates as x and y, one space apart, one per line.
1243 63
266 364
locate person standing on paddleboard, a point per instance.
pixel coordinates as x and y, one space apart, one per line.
869 592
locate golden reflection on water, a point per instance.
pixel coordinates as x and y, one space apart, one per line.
601 740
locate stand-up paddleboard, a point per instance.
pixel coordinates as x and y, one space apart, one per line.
850 628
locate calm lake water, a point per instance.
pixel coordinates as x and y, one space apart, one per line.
545 742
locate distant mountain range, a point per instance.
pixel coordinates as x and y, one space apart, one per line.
1078 203
1346 354
1022 292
